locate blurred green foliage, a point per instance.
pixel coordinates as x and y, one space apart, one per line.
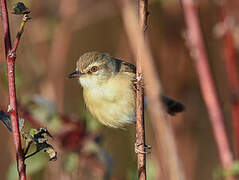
221 173
34 165
71 162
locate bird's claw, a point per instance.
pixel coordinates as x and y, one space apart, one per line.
138 82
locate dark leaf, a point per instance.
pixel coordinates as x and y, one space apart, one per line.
5 118
20 8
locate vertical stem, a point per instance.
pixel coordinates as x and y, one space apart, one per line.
6 31
206 83
14 116
161 126
140 129
232 75
11 56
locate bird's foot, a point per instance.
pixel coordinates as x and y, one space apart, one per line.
145 148
138 82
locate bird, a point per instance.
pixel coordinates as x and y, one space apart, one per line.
109 89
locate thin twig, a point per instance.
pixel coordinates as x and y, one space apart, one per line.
11 57
140 128
27 149
32 154
165 140
208 90
19 34
232 74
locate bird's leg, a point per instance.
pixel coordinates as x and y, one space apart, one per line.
135 85
146 147
138 82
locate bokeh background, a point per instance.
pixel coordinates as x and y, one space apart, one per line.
62 30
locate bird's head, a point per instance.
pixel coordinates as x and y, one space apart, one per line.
93 69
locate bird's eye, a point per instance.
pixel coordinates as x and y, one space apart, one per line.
94 69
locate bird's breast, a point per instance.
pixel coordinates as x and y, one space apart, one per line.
113 102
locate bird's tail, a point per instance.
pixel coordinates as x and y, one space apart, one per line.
172 106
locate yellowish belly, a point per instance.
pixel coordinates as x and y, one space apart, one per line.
112 104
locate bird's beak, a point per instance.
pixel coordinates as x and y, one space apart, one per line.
75 74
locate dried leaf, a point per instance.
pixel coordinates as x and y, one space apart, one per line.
5 118
20 9
39 138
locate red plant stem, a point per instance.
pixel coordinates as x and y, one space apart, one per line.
140 129
161 126
11 57
14 116
6 32
206 82
19 34
232 75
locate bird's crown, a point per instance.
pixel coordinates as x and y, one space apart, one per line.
91 58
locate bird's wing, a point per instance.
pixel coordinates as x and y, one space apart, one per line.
171 105
122 66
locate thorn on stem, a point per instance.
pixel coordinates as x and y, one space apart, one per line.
146 147
10 108
26 18
12 54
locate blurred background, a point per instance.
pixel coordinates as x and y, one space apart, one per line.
62 30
